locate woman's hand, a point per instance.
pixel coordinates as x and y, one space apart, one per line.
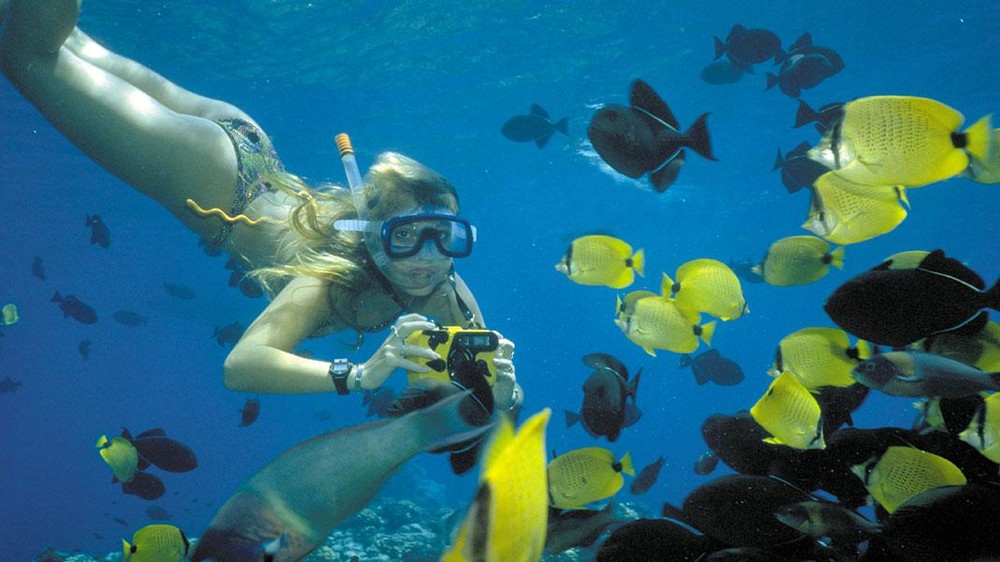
506 392
395 353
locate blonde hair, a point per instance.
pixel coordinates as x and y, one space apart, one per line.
393 184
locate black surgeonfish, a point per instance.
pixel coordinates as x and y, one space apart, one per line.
144 485
712 366
75 308
230 333
302 495
156 448
806 66
797 169
825 117
536 127
99 232
250 411
746 47
606 408
896 307
663 540
645 138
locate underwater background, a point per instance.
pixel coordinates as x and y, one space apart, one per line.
436 80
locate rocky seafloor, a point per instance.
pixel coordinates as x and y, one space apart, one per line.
388 530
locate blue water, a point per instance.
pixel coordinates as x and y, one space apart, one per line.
436 80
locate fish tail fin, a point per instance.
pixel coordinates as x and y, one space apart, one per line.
563 126
449 421
772 80
706 332
837 257
638 260
804 115
633 387
993 296
649 351
720 47
126 550
572 418
666 286
626 463
779 161
698 139
685 361
978 138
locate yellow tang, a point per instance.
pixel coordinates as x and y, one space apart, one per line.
904 472
156 543
798 260
8 314
653 322
586 475
819 357
981 350
986 170
709 286
601 260
120 455
847 213
509 516
901 140
983 432
790 414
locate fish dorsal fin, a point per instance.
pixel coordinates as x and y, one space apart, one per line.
599 360
539 111
937 262
645 99
804 41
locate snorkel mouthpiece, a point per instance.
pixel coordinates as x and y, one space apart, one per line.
357 186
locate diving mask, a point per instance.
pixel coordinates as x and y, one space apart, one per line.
406 235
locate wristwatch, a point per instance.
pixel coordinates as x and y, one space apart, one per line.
339 371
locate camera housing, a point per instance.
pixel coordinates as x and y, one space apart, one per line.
462 352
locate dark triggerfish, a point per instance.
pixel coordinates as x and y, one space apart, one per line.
645 138
297 499
896 307
606 409
536 127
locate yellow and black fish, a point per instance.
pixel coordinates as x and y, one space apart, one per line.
790 414
509 515
653 322
798 260
901 140
586 475
156 543
601 260
709 286
983 432
819 357
844 213
119 453
903 472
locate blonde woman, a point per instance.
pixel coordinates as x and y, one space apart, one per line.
214 169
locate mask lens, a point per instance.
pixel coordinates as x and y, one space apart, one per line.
406 236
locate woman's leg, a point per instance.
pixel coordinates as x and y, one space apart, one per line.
153 135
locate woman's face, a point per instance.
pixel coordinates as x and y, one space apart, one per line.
420 274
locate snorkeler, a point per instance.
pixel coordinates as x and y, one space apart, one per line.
376 256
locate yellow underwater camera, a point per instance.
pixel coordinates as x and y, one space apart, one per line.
463 352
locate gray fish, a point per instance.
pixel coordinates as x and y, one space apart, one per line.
535 127
917 373
573 528
647 477
99 232
721 72
302 495
9 385
72 306
230 333
129 318
822 519
38 268
706 463
179 291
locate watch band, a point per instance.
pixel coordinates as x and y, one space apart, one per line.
339 371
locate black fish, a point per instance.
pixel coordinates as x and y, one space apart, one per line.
249 412
99 233
38 268
84 348
746 47
744 269
722 72
165 453
797 169
805 67
158 513
179 291
606 408
535 127
706 463
9 385
712 366
129 318
145 485
838 403
250 288
896 307
663 540
647 477
72 306
645 138
230 333
824 118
